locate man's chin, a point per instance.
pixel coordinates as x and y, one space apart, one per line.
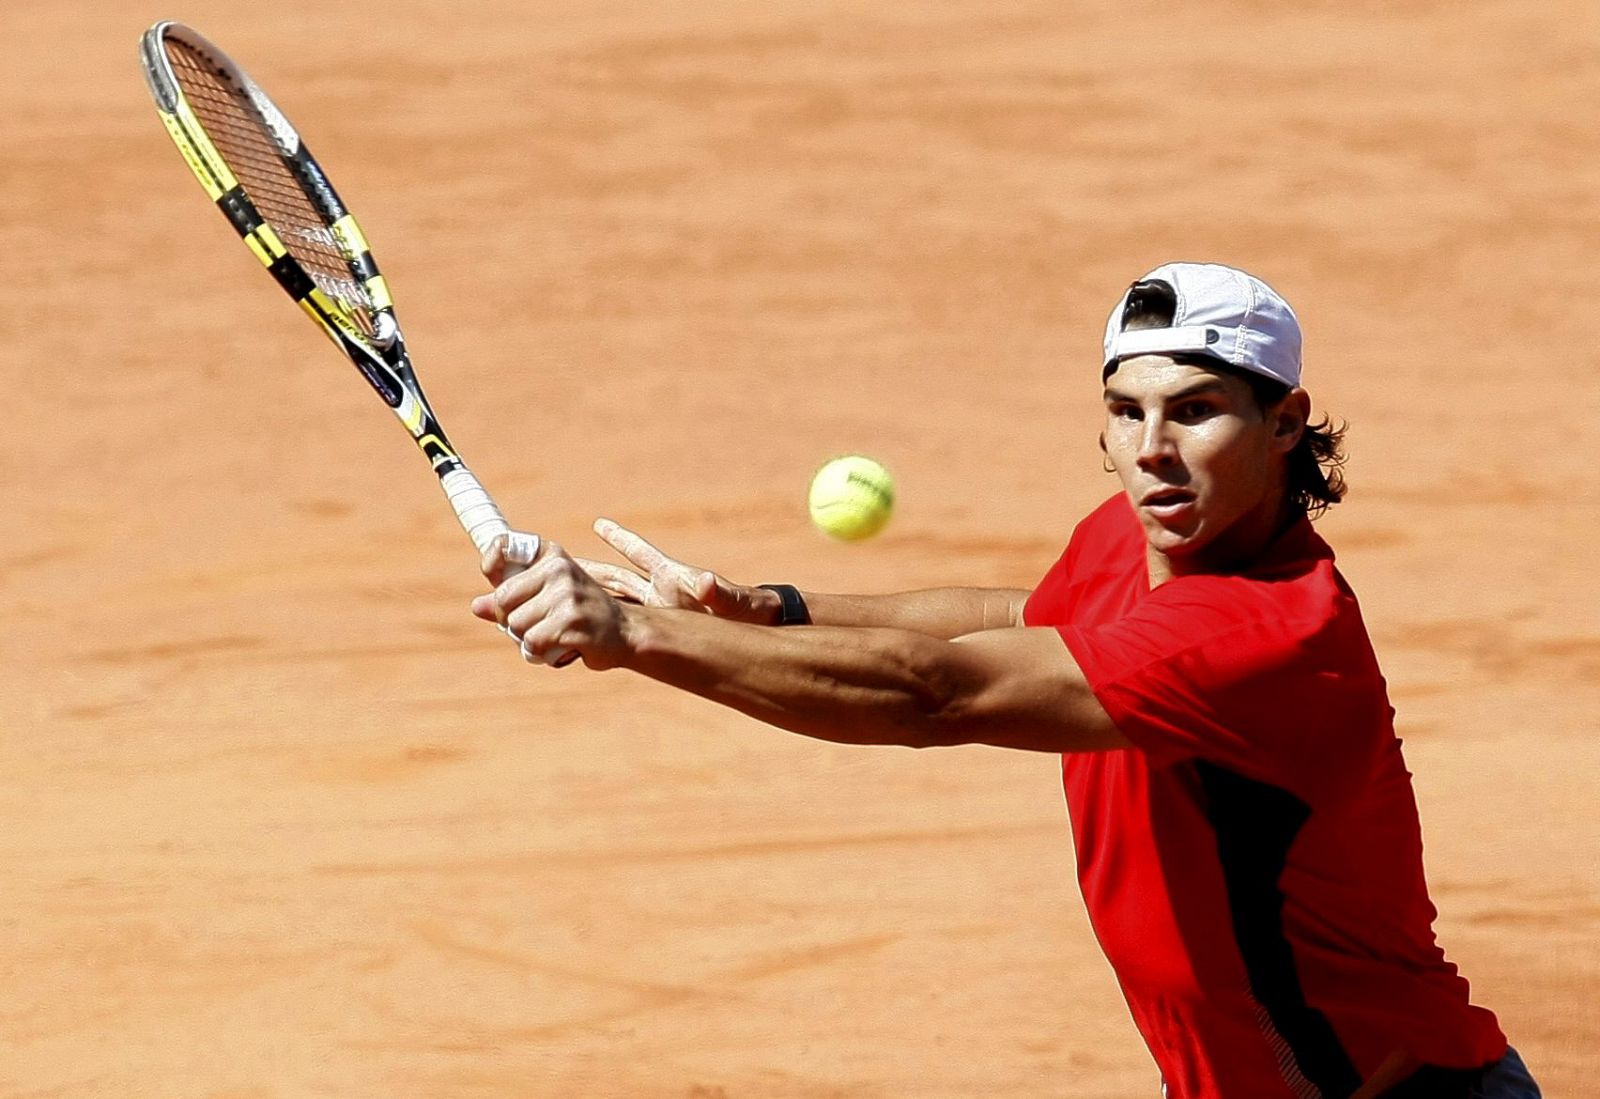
1173 536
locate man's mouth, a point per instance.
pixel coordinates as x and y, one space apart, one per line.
1164 502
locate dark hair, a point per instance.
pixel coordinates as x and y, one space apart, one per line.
1315 474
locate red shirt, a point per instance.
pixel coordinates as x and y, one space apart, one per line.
1253 866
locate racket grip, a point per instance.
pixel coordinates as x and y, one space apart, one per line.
479 516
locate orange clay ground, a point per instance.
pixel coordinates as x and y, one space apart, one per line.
281 820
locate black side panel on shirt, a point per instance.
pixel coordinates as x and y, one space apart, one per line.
1429 1082
1255 825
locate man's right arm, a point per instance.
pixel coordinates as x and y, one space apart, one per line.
662 581
945 613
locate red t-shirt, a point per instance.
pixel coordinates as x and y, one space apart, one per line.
1253 866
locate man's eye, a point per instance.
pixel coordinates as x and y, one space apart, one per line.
1195 410
1124 412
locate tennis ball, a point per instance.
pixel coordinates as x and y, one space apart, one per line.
851 498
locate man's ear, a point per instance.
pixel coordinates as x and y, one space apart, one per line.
1289 419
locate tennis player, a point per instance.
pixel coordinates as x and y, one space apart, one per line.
1247 837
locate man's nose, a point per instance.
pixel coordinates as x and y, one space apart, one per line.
1156 447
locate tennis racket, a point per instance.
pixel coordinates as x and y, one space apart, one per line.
254 166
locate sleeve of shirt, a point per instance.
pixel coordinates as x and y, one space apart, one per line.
1200 670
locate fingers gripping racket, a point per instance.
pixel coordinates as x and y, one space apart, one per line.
254 166
252 163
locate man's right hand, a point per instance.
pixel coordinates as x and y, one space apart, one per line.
662 581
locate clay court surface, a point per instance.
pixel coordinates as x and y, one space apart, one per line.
281 820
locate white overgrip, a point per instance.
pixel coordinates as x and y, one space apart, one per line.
479 516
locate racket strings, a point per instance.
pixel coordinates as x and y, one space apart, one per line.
256 159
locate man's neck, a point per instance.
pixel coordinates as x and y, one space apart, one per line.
1234 550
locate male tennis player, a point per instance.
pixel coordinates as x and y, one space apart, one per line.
1247 838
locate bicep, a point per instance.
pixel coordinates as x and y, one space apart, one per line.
1016 602
1026 691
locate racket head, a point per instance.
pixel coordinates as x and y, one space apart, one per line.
257 170
253 164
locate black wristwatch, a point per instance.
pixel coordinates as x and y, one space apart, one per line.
793 611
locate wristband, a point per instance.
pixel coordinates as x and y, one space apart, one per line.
793 612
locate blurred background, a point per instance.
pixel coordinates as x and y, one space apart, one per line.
282 820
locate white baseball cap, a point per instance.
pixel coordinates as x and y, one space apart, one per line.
1222 312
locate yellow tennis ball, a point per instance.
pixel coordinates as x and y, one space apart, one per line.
852 498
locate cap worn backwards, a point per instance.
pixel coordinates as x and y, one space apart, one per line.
1222 312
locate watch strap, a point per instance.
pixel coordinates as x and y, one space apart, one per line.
793 610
